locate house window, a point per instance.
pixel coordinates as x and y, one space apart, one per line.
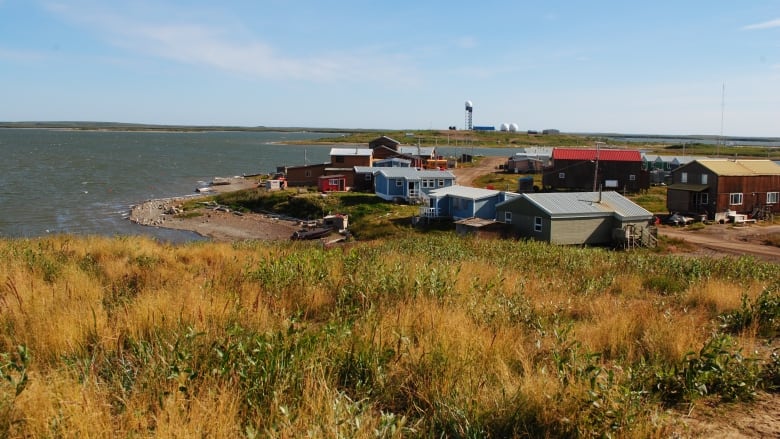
703 178
399 183
735 199
441 182
537 224
683 177
339 159
333 181
704 198
368 177
308 173
508 217
632 177
772 197
561 175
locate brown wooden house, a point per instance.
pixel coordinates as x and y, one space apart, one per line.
350 157
384 141
580 169
305 175
711 186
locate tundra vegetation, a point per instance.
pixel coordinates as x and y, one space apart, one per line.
428 335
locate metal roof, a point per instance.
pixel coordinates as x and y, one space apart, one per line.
613 155
586 204
393 160
413 173
741 167
351 151
422 151
473 193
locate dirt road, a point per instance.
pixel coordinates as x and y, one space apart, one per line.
466 175
725 239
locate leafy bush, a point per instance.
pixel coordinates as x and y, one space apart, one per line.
764 312
715 370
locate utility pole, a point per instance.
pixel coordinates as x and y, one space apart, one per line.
596 167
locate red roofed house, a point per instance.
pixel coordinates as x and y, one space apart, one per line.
576 169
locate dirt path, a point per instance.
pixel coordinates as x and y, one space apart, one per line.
719 240
466 175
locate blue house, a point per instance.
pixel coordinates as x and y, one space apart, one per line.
409 184
460 202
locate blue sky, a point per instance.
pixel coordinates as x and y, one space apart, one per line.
654 67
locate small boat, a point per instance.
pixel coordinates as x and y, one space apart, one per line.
313 233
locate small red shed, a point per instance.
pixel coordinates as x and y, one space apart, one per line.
332 183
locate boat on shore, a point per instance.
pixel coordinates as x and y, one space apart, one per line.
312 233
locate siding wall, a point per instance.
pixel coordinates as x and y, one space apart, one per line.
592 231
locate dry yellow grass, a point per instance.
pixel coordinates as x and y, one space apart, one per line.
127 337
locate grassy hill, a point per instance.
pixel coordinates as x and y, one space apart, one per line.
420 336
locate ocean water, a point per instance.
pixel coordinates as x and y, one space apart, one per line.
85 182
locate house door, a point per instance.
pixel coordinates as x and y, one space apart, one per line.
412 192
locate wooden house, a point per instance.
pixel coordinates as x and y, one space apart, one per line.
529 160
711 186
409 184
332 183
385 141
588 168
363 180
460 202
349 157
576 218
305 175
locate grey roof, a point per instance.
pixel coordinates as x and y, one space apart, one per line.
586 204
351 151
671 158
537 150
366 169
473 193
422 151
414 173
393 160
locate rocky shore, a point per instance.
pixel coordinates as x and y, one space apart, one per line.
213 221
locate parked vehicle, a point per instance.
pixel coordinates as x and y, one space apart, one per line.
676 219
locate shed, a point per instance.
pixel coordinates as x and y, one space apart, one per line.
332 183
275 185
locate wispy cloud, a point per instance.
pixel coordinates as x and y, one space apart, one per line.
764 25
220 47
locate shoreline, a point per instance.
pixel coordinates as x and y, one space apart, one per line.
211 221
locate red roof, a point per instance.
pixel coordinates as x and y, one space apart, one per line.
613 155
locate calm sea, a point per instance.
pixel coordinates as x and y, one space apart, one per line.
84 182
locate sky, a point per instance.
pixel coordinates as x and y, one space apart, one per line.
704 67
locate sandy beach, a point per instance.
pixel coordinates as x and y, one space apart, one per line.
217 224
